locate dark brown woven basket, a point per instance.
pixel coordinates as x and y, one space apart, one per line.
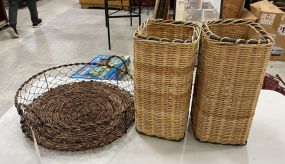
73 114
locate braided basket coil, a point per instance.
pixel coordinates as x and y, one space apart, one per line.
231 68
71 114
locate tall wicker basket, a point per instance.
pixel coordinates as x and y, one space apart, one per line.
232 8
232 64
164 58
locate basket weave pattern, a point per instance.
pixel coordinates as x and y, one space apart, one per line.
231 8
71 114
163 65
232 63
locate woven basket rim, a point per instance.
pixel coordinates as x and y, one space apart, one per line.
194 26
267 39
42 72
64 112
19 105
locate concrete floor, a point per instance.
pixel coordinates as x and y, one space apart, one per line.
69 34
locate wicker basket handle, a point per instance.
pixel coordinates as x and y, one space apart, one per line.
122 60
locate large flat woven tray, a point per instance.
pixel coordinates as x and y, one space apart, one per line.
64 113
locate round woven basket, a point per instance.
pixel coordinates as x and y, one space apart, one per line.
62 111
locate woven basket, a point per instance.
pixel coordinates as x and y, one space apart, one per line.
231 68
164 54
232 8
70 114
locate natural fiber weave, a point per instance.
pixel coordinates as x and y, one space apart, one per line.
231 68
164 55
74 114
232 8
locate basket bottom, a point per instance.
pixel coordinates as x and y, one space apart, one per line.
175 140
205 141
220 131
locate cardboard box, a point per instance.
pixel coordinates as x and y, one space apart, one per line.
272 19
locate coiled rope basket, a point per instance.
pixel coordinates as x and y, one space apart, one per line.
72 114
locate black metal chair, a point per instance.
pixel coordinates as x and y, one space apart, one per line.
130 15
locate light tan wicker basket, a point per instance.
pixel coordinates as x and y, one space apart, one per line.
229 78
164 55
232 8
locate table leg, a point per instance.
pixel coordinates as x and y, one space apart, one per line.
174 9
107 21
140 11
131 11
